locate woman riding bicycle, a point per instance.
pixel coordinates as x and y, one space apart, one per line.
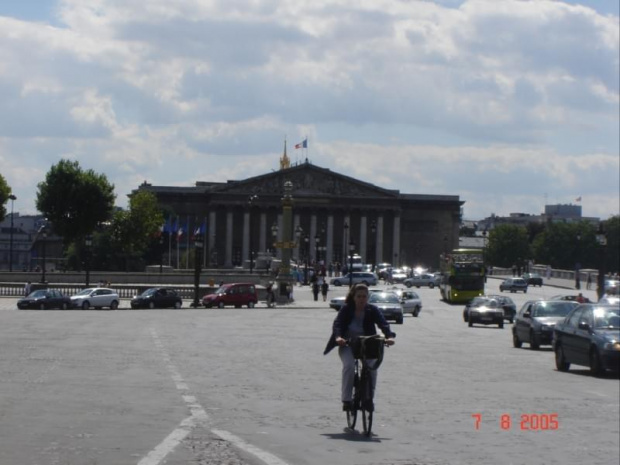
355 318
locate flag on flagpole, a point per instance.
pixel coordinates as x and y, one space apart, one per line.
303 144
578 199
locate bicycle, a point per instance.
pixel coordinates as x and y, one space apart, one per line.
364 348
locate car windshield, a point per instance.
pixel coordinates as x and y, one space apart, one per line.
85 292
552 309
149 292
481 301
37 294
607 317
383 297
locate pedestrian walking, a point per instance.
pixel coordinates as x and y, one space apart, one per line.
27 288
324 289
589 281
315 288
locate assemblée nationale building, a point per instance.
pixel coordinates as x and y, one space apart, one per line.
333 214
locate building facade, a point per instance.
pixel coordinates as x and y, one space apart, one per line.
333 216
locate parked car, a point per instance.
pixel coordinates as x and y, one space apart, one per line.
419 280
410 301
571 298
589 336
484 311
235 294
533 279
370 279
97 297
513 285
157 297
510 308
536 319
397 275
44 299
389 304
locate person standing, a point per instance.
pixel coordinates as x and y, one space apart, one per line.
27 288
324 289
316 287
589 281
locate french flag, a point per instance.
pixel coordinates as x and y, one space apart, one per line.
303 144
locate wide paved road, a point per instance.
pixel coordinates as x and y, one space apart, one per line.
240 386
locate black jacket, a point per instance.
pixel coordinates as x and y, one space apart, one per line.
372 317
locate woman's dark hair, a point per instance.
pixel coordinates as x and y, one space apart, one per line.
350 299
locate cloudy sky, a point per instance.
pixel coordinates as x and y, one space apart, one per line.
507 103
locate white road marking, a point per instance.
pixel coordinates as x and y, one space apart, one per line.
198 417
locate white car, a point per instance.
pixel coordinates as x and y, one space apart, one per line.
95 297
410 301
419 280
370 279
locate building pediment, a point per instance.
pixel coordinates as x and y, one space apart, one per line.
308 180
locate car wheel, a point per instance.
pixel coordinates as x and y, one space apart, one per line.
560 361
251 304
399 321
151 305
470 323
220 305
64 306
114 305
85 305
525 291
596 367
408 284
516 342
416 311
41 306
511 320
534 342
500 325
431 285
465 317
337 283
177 304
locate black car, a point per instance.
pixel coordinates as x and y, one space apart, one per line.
44 299
157 297
533 279
484 310
536 319
510 308
589 336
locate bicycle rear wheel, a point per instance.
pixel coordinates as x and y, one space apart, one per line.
352 414
366 405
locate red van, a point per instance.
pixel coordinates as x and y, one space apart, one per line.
236 294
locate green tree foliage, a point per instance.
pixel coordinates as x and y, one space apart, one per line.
135 230
75 201
508 245
564 245
611 228
5 191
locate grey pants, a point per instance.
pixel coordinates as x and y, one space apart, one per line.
348 373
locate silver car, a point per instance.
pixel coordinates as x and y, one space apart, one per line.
95 297
419 280
410 301
389 304
370 279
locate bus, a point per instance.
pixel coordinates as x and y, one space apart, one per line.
462 275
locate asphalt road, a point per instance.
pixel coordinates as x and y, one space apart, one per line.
251 386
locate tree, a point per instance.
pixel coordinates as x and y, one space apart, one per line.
75 201
133 231
611 227
5 191
507 246
564 245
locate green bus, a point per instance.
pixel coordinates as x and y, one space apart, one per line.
462 275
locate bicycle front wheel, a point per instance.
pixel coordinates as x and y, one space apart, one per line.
351 418
367 421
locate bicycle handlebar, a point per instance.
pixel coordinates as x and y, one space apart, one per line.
363 340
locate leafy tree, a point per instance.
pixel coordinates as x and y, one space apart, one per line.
611 227
5 191
564 245
507 246
133 231
75 201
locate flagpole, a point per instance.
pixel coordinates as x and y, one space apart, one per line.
187 246
178 262
169 242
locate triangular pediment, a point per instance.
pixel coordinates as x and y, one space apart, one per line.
307 180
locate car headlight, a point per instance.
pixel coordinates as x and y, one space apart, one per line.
614 345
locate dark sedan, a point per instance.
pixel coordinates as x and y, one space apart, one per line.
483 310
510 308
589 336
533 279
44 299
536 319
157 297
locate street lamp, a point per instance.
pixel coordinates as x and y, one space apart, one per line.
601 238
274 233
317 255
88 241
161 253
351 249
197 268
251 201
346 239
577 264
43 235
307 242
373 249
13 199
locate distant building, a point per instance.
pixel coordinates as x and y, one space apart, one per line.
26 243
553 213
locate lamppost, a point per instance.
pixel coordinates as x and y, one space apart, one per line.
317 255
88 242
484 253
43 236
274 233
346 240
351 249
161 253
13 199
601 238
307 243
251 201
577 264
197 268
373 249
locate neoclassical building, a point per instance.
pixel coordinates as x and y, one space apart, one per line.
332 215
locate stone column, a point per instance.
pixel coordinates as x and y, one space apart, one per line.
263 233
329 253
245 246
296 252
363 236
379 257
312 234
229 240
396 241
211 227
